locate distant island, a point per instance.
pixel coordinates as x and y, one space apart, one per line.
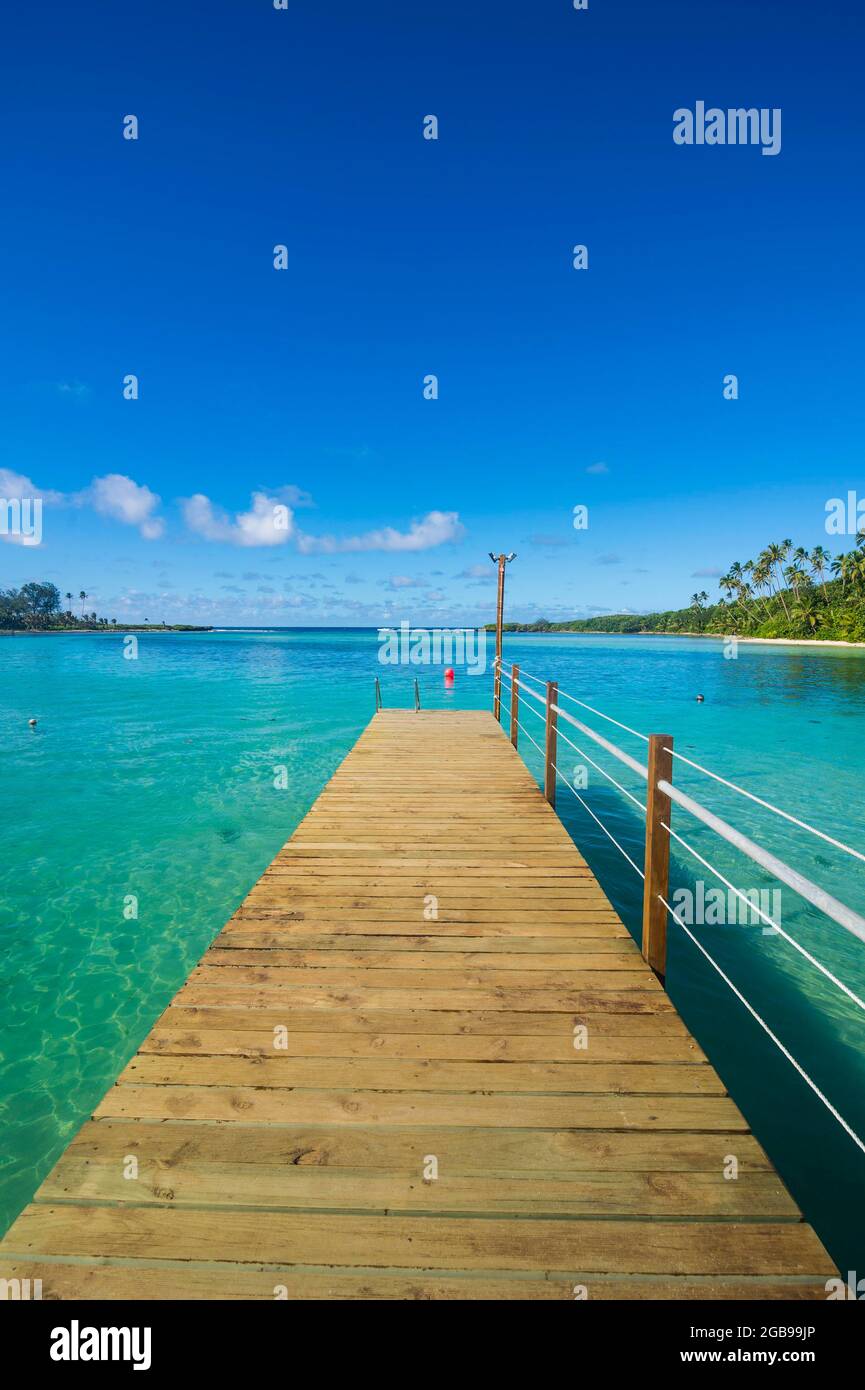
784 593
39 608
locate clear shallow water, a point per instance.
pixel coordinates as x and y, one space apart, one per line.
155 778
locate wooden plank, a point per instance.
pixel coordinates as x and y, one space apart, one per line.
579 1076
80 1279
256 1039
469 1151
471 962
626 1023
480 947
221 972
418 1243
755 1196
252 1105
339 1034
366 997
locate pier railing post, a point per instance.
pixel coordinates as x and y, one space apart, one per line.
657 865
515 702
377 695
550 757
497 692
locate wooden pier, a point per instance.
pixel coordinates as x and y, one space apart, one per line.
424 1059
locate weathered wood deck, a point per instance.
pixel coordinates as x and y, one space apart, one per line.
286 1108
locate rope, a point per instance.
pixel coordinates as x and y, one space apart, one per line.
803 825
759 800
628 730
591 708
764 1025
600 823
603 772
766 918
532 740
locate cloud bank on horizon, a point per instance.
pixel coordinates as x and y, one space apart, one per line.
269 520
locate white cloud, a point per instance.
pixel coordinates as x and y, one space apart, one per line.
404 581
436 528
19 485
22 502
268 522
597 468
132 503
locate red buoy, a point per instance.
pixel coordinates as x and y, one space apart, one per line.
449 676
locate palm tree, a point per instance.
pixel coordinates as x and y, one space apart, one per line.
842 568
69 604
747 594
776 554
820 558
793 576
760 574
697 601
807 614
82 597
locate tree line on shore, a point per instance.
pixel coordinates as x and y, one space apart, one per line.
39 608
785 592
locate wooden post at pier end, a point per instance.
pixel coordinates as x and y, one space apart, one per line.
550 758
515 702
657 866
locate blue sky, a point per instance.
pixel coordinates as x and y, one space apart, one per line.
409 257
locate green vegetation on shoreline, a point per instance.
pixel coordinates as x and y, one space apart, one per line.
39 608
784 593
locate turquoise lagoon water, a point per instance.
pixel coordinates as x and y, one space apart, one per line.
155 778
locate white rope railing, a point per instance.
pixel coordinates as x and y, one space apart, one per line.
811 892
590 733
765 917
531 740
533 708
608 717
818 897
698 767
600 714
803 825
603 771
764 1025
608 833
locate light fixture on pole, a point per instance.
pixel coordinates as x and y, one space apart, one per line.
501 561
